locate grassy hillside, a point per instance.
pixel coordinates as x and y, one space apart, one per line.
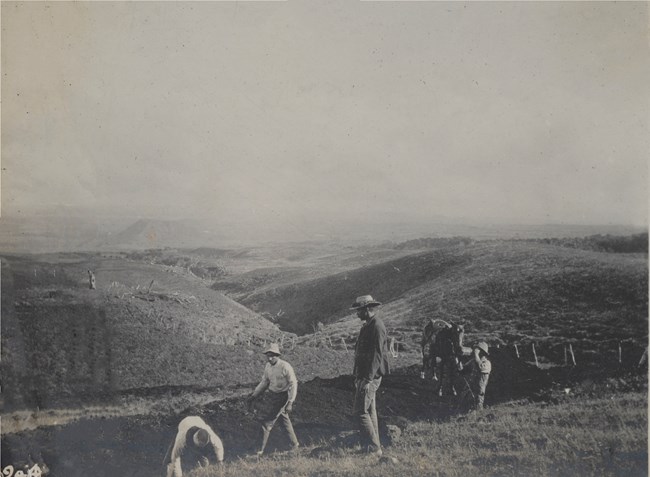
265 269
637 243
597 427
239 272
61 340
303 304
578 437
506 292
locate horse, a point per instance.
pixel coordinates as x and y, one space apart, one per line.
445 346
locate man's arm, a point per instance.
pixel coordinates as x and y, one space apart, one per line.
174 466
293 383
477 358
379 348
261 387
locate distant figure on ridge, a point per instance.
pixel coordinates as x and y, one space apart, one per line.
91 280
280 379
370 365
195 445
480 369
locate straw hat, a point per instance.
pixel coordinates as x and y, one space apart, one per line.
273 349
364 301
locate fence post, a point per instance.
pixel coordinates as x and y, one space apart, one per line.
573 357
566 357
517 351
535 354
293 343
620 353
330 340
644 357
345 346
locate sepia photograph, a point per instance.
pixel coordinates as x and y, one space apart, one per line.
324 238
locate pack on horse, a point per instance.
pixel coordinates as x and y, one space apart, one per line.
441 352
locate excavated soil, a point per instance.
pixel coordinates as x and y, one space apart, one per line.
135 446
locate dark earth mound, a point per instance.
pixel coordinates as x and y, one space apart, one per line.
135 446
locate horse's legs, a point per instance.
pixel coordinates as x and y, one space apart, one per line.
444 375
453 369
447 378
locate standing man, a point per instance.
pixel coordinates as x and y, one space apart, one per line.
195 445
282 384
481 367
370 365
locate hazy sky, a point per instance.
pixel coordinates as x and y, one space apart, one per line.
283 111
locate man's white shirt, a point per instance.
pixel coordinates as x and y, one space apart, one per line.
279 378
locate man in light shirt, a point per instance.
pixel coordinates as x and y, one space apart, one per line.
195 445
282 384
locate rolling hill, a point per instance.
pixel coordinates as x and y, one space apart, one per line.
507 292
61 340
154 322
154 332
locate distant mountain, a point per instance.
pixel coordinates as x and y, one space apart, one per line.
87 232
148 233
64 234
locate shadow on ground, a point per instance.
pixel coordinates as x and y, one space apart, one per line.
135 446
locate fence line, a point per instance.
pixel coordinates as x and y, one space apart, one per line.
549 351
567 353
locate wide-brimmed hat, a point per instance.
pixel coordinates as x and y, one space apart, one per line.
364 301
483 346
274 348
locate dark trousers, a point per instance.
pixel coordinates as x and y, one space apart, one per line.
276 402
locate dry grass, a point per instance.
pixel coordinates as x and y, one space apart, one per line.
505 293
581 436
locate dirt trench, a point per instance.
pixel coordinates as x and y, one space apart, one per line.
135 446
